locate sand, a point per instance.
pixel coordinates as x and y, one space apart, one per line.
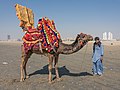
74 69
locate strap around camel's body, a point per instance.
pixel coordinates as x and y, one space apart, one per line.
46 34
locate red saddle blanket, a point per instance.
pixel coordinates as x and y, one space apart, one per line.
46 34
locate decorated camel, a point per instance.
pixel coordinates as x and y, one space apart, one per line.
45 40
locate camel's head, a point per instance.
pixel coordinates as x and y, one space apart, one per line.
89 37
84 37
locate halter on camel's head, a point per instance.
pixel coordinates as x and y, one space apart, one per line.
82 38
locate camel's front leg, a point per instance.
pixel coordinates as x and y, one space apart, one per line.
24 60
24 68
21 70
50 68
22 64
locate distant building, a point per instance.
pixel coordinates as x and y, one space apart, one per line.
8 37
105 36
110 36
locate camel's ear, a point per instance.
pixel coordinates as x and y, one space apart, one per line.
81 33
78 35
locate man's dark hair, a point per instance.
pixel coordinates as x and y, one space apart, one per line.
97 38
99 43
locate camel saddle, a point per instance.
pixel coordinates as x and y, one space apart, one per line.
45 36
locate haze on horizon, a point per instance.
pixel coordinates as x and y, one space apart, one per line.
71 16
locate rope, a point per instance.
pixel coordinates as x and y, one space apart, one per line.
84 56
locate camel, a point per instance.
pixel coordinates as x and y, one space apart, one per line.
80 41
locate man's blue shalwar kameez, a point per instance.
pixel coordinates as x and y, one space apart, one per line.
97 63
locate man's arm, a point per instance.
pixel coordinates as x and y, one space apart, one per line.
102 52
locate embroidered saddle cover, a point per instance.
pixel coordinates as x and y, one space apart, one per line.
45 33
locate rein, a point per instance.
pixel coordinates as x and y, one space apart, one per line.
84 54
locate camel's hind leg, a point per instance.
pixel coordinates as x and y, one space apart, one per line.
56 67
24 60
50 68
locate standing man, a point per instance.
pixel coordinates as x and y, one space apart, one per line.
97 57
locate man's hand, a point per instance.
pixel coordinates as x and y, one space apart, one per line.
101 58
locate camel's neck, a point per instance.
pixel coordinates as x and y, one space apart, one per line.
70 48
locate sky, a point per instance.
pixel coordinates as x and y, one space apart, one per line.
71 16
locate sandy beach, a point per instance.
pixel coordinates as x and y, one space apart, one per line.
75 69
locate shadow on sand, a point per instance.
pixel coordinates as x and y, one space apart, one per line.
62 71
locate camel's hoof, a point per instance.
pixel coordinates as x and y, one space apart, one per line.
51 82
22 80
27 76
59 79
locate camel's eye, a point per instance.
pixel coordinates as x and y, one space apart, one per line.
78 38
83 36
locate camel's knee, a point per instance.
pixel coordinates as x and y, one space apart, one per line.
56 68
50 68
21 66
